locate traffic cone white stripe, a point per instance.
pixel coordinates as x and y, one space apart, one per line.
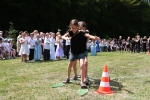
105 74
104 87
105 84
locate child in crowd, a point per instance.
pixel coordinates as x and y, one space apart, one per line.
12 51
52 47
59 50
47 47
37 49
6 48
93 48
58 33
24 50
18 43
67 47
2 53
42 37
31 47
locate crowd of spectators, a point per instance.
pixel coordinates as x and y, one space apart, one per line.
37 46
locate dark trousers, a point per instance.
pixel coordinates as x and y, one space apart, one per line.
55 47
46 54
67 51
31 55
132 48
120 47
42 49
144 47
138 48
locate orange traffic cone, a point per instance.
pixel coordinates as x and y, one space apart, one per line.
104 87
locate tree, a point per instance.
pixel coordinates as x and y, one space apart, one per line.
12 33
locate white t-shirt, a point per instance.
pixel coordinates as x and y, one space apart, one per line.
31 43
6 46
47 43
1 45
68 42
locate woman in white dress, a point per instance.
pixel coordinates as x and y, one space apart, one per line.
24 50
52 47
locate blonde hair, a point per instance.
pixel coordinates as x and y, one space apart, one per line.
58 33
35 31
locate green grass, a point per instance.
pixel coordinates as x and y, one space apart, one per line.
129 78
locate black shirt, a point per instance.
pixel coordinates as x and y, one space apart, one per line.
120 41
144 40
78 42
133 42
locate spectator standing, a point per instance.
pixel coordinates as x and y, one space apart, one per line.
137 42
133 45
18 43
47 47
120 44
38 49
31 46
144 42
52 47
24 50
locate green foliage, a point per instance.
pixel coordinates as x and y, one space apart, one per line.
12 33
104 17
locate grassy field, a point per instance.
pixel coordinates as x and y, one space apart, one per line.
129 78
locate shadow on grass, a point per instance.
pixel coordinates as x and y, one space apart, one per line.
147 82
42 61
115 86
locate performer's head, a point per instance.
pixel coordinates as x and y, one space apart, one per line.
74 26
82 25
